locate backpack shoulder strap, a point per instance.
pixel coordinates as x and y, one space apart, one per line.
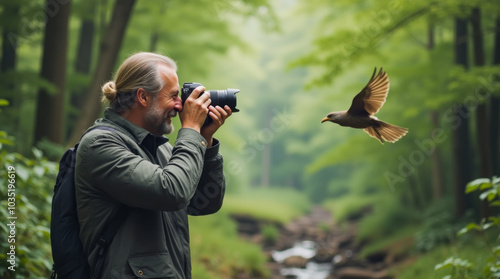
105 239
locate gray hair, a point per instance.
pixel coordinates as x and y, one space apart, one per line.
138 71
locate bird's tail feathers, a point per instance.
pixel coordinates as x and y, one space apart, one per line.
386 132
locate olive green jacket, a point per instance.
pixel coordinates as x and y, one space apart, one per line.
159 184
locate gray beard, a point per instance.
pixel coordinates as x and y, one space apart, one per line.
155 120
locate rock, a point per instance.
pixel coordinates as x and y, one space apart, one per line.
295 261
360 273
247 225
343 261
377 257
325 254
344 241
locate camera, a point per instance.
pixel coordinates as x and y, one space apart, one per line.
218 97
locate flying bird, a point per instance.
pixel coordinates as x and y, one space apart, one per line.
363 108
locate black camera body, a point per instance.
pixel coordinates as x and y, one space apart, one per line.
218 97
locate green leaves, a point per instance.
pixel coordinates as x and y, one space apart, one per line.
492 266
477 227
489 195
453 262
458 266
3 103
491 185
480 183
5 139
32 180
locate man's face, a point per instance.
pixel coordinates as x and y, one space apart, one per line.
158 117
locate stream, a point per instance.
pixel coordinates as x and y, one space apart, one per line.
314 247
305 249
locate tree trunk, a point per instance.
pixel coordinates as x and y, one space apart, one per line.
461 141
83 59
9 48
415 195
482 119
495 107
437 163
155 34
50 106
437 181
11 87
85 42
9 55
108 55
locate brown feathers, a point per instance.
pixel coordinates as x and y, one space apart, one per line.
372 97
364 105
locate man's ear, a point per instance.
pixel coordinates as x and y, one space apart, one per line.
142 97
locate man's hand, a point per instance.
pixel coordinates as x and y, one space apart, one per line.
195 109
218 115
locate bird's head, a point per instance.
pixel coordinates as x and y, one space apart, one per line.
332 117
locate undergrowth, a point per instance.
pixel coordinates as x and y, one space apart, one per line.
218 252
349 206
271 204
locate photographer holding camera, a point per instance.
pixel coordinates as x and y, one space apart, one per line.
124 161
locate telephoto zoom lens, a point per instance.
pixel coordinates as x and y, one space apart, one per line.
224 97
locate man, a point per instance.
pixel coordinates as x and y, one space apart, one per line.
132 165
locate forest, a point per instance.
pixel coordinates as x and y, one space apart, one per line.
425 206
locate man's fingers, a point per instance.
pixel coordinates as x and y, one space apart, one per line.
228 110
196 92
220 114
208 101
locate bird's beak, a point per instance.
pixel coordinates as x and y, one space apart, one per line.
325 119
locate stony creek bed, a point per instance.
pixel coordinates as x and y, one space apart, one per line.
313 247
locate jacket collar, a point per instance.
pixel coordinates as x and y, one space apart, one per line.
139 134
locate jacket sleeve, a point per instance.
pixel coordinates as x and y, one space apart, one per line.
212 186
134 181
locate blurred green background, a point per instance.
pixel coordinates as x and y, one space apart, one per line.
294 61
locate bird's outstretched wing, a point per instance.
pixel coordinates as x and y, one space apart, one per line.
372 97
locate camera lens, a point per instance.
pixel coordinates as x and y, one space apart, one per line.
224 97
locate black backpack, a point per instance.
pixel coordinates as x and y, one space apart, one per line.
67 250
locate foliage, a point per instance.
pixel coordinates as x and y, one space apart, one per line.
439 227
490 192
397 244
270 233
271 204
32 180
384 220
460 268
218 252
349 206
423 265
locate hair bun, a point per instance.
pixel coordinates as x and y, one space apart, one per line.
109 91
